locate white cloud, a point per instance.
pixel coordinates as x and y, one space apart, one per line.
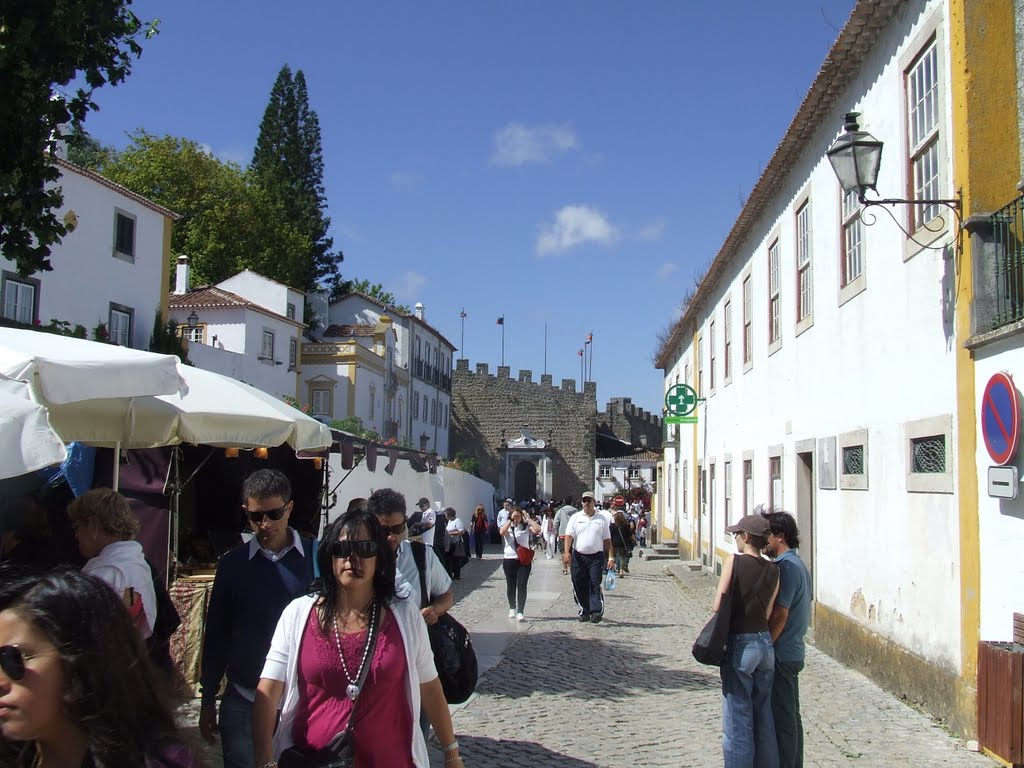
517 144
409 284
227 155
652 231
405 179
667 269
574 225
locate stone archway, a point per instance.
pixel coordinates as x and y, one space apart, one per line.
525 481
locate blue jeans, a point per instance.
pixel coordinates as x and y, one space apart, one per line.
236 729
587 573
748 730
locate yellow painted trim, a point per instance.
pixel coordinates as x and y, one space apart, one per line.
298 369
352 370
165 272
985 166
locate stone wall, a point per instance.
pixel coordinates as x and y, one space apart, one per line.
629 423
489 409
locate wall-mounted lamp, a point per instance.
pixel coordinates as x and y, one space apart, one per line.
231 453
192 320
261 453
856 156
215 339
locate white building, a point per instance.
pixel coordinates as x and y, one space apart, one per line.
111 271
824 351
247 327
422 364
632 470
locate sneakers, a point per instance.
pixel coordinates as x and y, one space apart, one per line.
595 618
520 617
584 617
511 613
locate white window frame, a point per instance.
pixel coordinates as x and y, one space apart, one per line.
727 491
267 349
747 283
16 305
852 247
700 365
319 408
802 220
711 357
117 253
776 496
685 491
293 354
289 311
633 473
774 296
924 153
929 482
121 336
604 472
195 335
853 439
727 343
415 405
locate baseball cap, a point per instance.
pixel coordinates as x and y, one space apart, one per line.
587 495
423 501
755 525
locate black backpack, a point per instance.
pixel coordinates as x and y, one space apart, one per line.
454 656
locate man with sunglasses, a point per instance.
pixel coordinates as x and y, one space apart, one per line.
253 585
389 507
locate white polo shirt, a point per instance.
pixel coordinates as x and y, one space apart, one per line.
589 533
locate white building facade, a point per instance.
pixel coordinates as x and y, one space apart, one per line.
823 352
247 327
109 274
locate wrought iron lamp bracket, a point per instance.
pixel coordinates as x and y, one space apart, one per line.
935 226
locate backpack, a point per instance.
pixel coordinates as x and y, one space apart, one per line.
158 644
454 656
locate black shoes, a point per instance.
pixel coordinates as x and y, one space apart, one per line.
595 618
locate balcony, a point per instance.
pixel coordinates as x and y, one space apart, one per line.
1008 266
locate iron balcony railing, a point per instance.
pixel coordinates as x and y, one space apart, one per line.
1008 231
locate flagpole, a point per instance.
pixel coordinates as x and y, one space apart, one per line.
590 341
582 364
545 347
462 344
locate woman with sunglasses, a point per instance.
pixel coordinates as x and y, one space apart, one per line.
515 532
321 669
77 688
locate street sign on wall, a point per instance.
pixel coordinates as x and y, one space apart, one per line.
681 400
1000 418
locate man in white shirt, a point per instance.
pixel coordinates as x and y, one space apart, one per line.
504 512
588 546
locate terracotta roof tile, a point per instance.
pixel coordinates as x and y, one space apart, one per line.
210 297
104 181
349 330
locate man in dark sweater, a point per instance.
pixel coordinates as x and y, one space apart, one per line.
254 583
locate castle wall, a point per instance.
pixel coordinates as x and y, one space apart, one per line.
628 423
489 409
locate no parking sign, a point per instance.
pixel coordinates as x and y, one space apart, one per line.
1000 418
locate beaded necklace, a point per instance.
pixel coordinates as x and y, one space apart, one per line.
352 690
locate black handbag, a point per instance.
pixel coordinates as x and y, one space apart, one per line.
712 643
339 752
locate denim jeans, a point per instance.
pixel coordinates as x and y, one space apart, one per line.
621 560
587 573
789 728
236 729
748 730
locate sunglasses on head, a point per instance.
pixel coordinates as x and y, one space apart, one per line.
394 530
272 514
12 661
362 549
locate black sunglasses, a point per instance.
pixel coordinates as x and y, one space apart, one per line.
362 549
394 530
12 661
272 514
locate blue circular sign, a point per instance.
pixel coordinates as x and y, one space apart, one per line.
1000 418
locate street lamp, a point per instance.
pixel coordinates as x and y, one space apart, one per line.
856 156
192 320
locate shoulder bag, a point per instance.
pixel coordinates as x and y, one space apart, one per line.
339 752
712 642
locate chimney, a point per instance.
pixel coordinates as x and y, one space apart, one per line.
419 310
184 275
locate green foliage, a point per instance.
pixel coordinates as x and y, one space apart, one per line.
44 47
87 152
288 165
354 426
296 404
373 290
228 223
165 338
463 462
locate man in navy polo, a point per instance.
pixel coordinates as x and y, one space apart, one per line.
788 624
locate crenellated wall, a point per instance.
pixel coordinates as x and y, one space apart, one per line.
629 423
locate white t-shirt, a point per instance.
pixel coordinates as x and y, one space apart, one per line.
122 565
453 525
514 536
407 575
589 533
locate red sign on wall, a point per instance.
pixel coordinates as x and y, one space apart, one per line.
1000 418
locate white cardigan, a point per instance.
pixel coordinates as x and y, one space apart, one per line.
283 658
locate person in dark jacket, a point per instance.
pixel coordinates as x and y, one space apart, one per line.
623 541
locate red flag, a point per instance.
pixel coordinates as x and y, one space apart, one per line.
580 353
590 337
462 314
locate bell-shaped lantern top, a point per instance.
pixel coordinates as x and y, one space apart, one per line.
855 157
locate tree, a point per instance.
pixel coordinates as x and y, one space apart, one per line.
88 152
288 165
45 46
228 223
373 290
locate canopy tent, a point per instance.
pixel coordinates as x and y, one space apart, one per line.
27 441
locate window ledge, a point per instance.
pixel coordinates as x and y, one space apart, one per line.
774 346
854 288
748 366
979 340
803 325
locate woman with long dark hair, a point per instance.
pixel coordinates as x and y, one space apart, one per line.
77 688
321 667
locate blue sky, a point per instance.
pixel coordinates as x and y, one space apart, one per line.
568 162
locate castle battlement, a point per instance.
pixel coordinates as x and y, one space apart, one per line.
525 377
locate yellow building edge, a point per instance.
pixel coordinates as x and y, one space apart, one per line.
985 169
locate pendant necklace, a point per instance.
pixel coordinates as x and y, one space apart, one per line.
352 690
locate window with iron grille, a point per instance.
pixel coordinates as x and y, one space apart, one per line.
922 98
727 339
853 460
803 261
853 248
748 338
928 454
773 292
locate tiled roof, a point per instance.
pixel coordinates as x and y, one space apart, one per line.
103 180
349 330
211 297
644 454
856 41
395 312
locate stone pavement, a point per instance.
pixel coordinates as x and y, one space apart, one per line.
557 693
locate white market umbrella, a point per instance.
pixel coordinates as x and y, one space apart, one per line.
27 441
215 410
63 372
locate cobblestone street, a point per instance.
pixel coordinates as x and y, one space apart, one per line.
626 692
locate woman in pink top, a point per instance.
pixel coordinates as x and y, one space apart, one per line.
323 642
